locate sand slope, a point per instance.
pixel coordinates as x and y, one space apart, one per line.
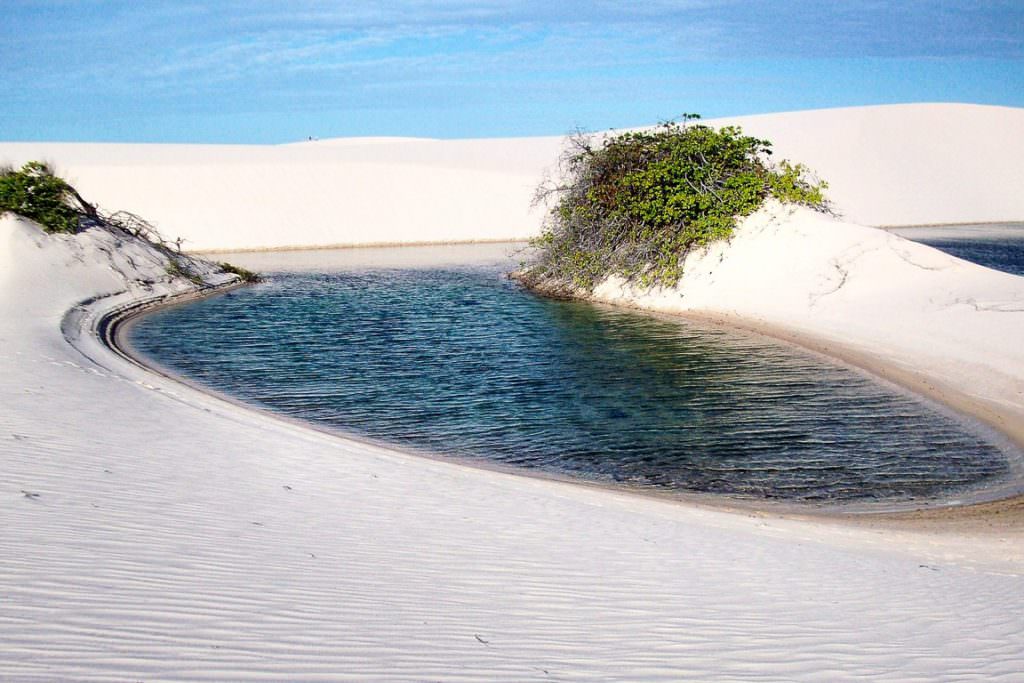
900 164
154 533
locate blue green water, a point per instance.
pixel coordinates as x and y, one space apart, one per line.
459 361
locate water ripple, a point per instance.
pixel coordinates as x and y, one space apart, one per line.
462 362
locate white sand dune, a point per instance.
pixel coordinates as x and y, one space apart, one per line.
151 532
887 165
908 164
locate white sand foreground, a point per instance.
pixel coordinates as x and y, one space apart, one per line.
155 533
152 532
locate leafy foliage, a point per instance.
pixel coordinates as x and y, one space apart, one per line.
637 203
36 193
244 274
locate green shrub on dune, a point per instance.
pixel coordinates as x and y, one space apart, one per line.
244 274
36 193
635 204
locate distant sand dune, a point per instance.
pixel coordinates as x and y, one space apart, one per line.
887 165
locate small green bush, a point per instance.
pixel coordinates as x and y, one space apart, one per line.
178 267
36 193
244 274
638 203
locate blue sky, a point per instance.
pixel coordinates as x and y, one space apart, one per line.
254 71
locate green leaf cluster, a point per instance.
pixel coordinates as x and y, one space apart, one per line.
244 274
637 203
36 193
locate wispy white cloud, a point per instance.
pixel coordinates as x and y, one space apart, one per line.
309 54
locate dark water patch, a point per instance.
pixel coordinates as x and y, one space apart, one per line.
461 362
999 245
